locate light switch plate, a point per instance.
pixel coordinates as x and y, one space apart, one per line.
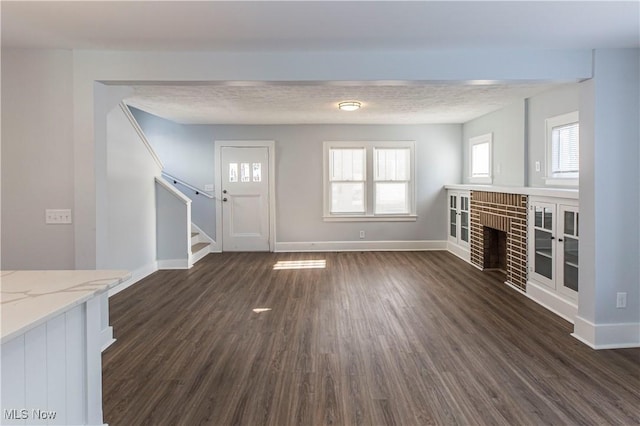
208 187
58 216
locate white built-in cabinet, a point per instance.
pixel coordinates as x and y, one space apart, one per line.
458 229
553 237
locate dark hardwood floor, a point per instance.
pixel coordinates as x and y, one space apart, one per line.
378 338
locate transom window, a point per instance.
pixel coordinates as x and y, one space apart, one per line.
480 159
369 180
563 149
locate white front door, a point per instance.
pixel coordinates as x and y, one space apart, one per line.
245 198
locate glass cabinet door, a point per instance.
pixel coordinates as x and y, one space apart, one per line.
543 227
464 218
569 237
453 216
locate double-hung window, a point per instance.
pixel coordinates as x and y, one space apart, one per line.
480 159
563 149
369 180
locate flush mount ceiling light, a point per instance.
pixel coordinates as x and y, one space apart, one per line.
349 106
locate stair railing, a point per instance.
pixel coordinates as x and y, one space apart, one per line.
177 181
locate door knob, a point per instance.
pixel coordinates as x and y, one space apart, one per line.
224 199
224 191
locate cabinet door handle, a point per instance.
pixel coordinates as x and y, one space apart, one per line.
553 238
560 239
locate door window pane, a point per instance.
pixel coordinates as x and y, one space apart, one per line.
347 197
257 172
245 175
538 221
391 198
233 172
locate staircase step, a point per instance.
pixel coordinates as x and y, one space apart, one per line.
197 247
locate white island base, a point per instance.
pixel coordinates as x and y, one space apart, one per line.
52 340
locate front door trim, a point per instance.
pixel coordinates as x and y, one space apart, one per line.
270 145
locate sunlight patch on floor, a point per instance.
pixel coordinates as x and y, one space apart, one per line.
300 264
260 310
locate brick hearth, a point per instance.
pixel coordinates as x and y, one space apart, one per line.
504 212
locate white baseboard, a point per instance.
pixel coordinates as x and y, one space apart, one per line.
607 336
461 252
106 337
173 264
558 305
136 276
360 246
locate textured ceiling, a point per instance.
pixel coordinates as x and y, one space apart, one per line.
317 103
232 26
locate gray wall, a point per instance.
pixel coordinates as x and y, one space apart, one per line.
299 186
609 195
543 106
508 128
299 178
37 158
173 227
186 152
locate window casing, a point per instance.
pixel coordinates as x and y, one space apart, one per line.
369 181
480 154
563 149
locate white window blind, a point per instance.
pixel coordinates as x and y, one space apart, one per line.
565 149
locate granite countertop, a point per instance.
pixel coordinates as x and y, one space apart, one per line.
30 298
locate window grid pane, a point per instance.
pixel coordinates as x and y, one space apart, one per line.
392 164
347 197
565 152
392 198
347 164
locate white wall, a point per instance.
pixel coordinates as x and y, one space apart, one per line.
131 209
545 105
508 128
37 158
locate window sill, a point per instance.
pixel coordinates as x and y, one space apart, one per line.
360 218
556 181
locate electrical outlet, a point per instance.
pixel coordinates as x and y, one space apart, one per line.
361 234
537 166
57 216
621 300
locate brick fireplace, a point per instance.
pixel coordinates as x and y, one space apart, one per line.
499 234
